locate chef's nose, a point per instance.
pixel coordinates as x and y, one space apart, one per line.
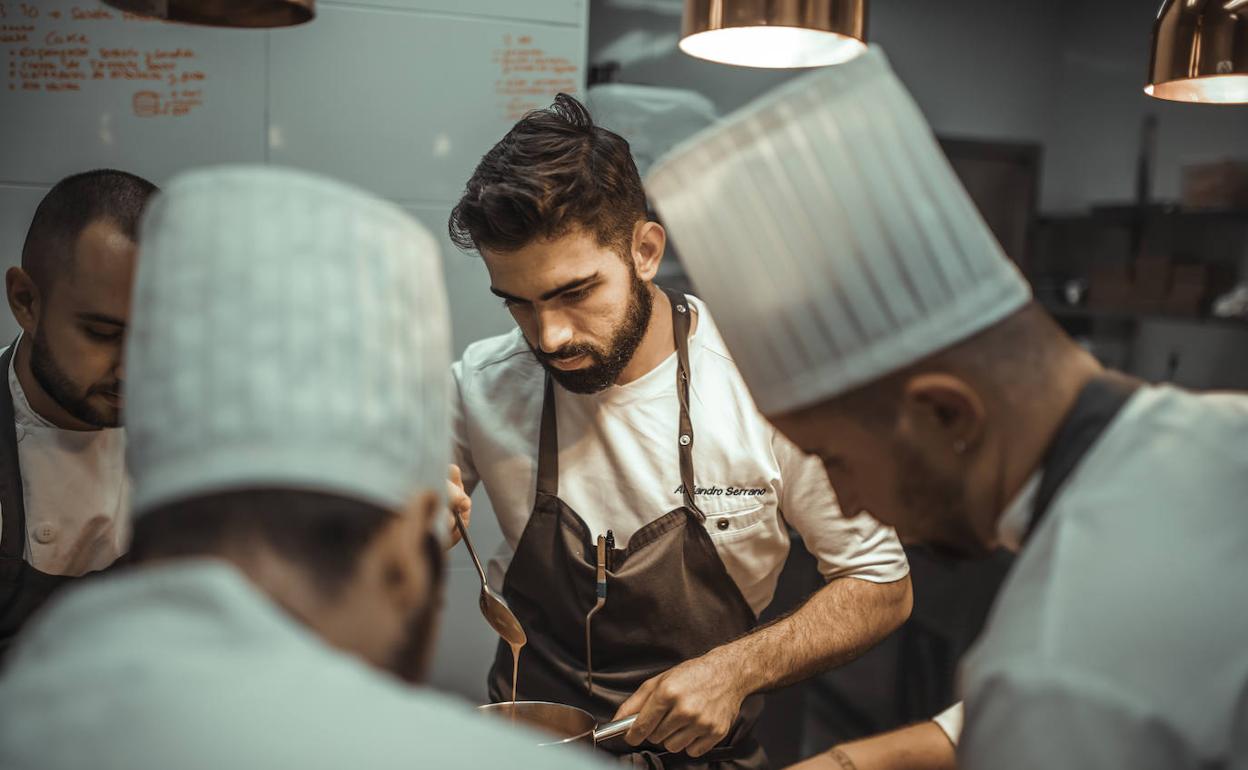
553 330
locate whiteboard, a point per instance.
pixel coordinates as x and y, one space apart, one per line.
410 126
401 97
87 86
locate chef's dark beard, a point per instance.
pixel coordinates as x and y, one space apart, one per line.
61 389
943 502
607 365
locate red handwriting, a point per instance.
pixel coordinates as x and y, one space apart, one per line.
61 38
90 13
529 77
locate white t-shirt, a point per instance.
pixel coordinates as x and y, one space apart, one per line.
75 489
1120 637
619 464
187 665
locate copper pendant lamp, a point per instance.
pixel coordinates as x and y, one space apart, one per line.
1200 52
775 33
224 13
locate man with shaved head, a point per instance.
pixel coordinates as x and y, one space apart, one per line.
880 327
63 485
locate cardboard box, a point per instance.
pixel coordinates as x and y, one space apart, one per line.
1221 185
1188 291
1109 288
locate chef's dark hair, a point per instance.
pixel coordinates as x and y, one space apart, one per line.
553 172
323 533
70 206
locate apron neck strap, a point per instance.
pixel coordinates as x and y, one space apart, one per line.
548 444
1095 408
548 434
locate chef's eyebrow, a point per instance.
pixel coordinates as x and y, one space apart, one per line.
572 285
101 318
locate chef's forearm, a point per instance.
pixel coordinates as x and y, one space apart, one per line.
837 623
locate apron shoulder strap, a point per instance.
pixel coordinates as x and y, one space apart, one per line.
1097 405
681 326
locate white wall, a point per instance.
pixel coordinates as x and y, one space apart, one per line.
977 67
1067 74
1103 63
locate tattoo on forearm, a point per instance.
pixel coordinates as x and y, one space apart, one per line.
842 759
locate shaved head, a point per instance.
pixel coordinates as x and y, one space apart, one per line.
1006 362
938 449
69 207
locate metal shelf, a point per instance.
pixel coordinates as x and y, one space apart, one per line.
1131 316
1127 215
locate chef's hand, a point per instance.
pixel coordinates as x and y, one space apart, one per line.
689 708
458 500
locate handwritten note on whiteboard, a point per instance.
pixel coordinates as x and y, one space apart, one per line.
397 99
83 85
57 49
529 76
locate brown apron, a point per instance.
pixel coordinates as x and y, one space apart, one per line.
669 598
23 589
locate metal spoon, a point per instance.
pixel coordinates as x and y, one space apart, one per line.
493 607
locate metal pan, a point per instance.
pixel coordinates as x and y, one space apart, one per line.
564 724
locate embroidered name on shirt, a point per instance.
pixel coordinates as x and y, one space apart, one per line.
723 491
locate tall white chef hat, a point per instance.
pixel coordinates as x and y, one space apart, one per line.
287 331
830 237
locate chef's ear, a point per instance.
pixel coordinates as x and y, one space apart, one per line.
24 298
941 414
649 241
412 552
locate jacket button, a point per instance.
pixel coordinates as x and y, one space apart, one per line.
45 533
19 432
722 524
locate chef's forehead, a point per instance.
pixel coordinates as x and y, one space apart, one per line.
547 265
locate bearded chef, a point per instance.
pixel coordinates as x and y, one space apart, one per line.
63 486
630 470
888 335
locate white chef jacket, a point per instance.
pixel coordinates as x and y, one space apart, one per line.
75 488
1011 528
186 665
1120 637
619 465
